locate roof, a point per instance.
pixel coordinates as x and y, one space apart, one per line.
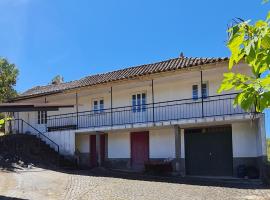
122 74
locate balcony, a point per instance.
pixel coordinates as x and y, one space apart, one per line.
219 105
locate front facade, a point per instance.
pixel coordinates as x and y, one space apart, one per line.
172 114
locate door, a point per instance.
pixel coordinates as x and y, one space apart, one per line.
139 149
208 151
93 151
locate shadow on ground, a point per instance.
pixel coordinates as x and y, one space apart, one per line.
230 183
9 198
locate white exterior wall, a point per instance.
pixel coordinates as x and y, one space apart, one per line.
244 138
65 140
119 145
82 143
162 143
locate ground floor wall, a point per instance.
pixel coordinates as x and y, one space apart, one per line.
165 143
65 140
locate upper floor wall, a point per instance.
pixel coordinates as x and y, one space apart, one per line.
167 86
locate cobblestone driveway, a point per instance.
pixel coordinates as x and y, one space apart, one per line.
102 187
47 184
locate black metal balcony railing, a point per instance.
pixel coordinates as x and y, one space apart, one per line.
218 105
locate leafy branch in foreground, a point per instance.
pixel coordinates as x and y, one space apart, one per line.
250 44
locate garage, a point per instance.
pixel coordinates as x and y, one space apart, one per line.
208 151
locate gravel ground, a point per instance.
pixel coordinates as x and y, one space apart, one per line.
46 184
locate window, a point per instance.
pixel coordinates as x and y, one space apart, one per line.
42 117
98 105
139 102
204 90
195 92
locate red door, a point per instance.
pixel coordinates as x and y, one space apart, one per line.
93 151
139 149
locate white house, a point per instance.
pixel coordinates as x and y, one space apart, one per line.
165 110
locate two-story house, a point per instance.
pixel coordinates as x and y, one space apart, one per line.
165 110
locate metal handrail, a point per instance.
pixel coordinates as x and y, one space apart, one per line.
115 109
39 132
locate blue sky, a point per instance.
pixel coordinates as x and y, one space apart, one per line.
77 38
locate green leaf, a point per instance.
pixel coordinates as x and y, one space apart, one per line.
266 42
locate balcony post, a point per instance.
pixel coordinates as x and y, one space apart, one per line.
153 101
77 111
202 93
111 108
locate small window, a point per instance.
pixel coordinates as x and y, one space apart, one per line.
139 102
204 90
98 105
195 92
42 117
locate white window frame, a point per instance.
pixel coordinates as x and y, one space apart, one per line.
99 109
42 117
193 98
207 90
200 95
137 108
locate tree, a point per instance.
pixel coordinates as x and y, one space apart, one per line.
249 43
8 79
57 80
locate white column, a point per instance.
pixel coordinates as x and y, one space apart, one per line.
98 149
262 148
177 148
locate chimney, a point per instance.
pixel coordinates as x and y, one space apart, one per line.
181 55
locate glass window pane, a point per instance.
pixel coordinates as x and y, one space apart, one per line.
101 105
143 101
134 103
95 106
195 91
138 102
38 117
204 90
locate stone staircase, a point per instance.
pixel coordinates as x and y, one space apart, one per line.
25 149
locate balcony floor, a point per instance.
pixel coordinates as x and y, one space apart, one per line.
185 123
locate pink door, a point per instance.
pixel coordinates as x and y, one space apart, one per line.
139 149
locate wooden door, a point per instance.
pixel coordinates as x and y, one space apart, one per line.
139 149
93 151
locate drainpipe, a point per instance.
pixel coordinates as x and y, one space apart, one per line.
202 92
153 101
